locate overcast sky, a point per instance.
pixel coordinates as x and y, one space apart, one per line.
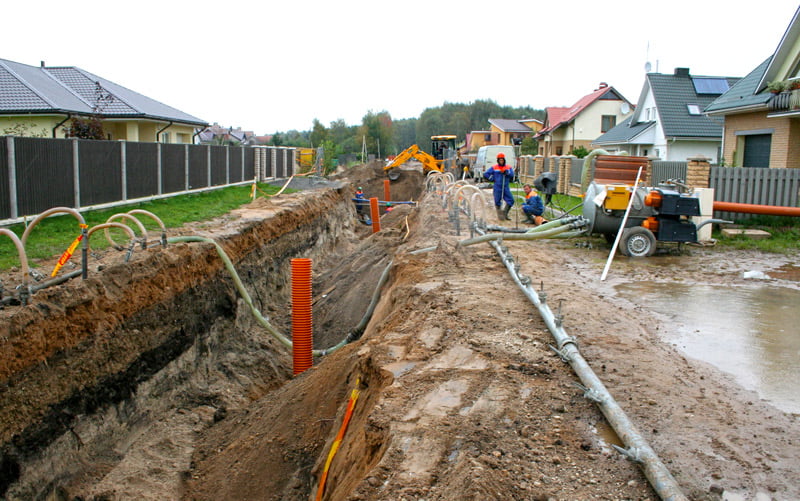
275 66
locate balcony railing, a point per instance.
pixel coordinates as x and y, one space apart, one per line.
785 101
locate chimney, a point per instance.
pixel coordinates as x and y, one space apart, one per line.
603 85
681 72
41 64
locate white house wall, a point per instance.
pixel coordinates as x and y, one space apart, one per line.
589 121
681 150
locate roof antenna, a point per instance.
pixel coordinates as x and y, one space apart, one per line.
647 65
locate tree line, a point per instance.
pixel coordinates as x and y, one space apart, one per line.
384 136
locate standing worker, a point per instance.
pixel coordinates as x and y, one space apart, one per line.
533 207
502 175
362 206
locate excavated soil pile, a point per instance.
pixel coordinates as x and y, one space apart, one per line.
147 385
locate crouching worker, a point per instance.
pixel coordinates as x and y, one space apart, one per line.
533 207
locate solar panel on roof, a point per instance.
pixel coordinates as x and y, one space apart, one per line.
710 85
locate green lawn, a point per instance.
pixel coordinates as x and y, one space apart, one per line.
53 235
785 233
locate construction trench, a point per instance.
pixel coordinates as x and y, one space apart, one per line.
153 379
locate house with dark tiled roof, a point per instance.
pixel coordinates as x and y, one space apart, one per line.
567 128
762 127
217 134
668 122
502 131
477 138
512 131
43 100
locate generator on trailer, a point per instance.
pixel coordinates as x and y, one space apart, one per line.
657 215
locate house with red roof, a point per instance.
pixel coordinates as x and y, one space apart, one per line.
567 128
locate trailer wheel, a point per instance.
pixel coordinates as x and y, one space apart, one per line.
638 241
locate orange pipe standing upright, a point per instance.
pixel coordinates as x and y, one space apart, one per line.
302 333
376 215
386 192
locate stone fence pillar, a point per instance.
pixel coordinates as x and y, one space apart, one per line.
697 171
538 165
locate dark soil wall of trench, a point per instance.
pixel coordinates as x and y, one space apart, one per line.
169 320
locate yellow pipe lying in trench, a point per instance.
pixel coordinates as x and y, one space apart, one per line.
351 336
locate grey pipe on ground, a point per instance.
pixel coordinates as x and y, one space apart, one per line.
638 450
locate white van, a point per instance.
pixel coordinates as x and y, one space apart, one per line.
487 158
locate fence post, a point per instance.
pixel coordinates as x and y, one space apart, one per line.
123 153
186 167
159 177
12 178
76 175
697 170
208 166
228 164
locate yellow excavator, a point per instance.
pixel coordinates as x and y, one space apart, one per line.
445 156
429 163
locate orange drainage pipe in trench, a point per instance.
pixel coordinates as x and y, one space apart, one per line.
769 210
351 404
375 214
386 191
302 333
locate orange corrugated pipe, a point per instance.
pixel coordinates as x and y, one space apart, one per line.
769 210
376 216
386 192
302 334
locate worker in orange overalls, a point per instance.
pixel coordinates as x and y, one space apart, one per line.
502 175
533 207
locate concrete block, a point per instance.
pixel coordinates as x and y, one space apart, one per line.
754 234
706 196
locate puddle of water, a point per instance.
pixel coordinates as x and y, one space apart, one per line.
750 332
607 436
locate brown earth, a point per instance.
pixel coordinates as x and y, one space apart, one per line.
460 395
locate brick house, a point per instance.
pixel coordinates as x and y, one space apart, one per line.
761 128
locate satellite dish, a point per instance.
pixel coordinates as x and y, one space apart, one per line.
624 107
647 67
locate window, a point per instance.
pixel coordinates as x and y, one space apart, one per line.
693 109
608 123
559 150
756 150
647 115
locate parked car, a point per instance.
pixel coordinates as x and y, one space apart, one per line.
487 158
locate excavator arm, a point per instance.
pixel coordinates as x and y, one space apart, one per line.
428 162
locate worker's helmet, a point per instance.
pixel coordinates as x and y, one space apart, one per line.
501 155
388 204
359 188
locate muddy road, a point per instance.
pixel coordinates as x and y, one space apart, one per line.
460 396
